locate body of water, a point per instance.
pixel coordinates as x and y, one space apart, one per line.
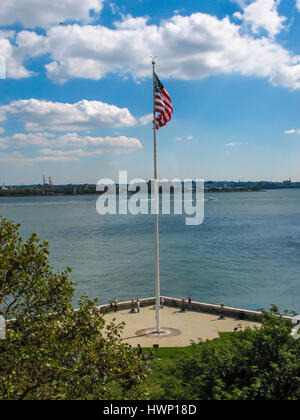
246 253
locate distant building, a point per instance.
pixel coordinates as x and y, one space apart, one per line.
287 182
51 185
48 186
70 190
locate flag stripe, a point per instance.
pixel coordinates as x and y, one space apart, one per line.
163 104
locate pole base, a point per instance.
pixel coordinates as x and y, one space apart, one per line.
165 332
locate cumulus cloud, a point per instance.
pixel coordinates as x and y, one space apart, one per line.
298 5
75 147
31 139
146 119
292 131
189 47
31 44
123 142
13 57
17 47
69 140
37 13
39 115
262 14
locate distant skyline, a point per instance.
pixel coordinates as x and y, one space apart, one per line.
48 180
77 100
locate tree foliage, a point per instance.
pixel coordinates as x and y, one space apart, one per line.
52 351
254 364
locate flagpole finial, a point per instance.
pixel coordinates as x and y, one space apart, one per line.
153 60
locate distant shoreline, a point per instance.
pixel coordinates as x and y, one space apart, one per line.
29 192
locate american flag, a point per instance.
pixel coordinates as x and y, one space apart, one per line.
163 104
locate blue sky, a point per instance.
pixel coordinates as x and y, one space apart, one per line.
76 103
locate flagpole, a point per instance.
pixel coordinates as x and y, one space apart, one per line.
156 200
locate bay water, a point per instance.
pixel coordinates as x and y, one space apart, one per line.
246 253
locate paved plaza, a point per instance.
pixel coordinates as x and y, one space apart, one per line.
180 328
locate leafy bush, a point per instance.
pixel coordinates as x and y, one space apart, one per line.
52 351
255 364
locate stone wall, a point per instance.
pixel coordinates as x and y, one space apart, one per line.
128 305
236 313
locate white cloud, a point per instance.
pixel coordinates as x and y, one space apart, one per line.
232 144
32 139
117 10
31 44
39 115
69 153
241 3
178 11
79 152
15 48
120 142
19 158
189 47
262 14
287 75
84 146
292 131
69 140
184 138
13 57
146 119
37 13
298 5
7 34
114 8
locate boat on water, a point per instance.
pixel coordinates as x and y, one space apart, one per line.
212 199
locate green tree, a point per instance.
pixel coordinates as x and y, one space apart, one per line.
254 364
52 351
